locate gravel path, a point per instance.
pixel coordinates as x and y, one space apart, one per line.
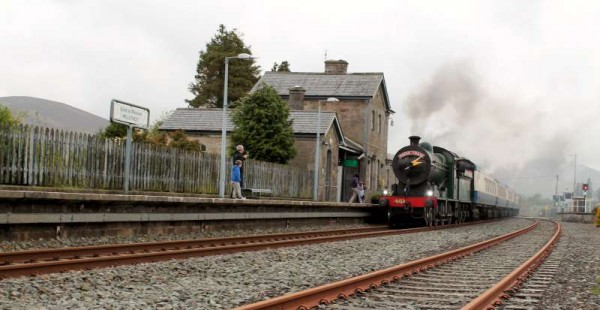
222 282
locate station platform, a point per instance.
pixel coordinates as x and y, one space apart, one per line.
27 213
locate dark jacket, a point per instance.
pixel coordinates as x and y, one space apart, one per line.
355 182
238 156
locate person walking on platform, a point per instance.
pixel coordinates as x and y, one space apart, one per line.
356 189
235 180
242 155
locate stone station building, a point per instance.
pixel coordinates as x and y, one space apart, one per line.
354 128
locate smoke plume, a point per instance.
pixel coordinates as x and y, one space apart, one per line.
504 135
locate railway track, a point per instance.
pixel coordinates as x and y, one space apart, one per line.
35 262
474 277
532 291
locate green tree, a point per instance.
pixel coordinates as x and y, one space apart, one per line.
243 74
119 131
114 130
153 134
180 140
8 118
262 126
283 67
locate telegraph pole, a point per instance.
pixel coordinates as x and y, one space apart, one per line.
574 172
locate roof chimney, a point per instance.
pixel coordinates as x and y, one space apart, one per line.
296 99
336 67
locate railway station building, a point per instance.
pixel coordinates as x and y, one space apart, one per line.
362 107
354 125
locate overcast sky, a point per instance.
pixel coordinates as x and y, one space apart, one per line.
513 85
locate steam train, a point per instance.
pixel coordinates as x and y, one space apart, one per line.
437 187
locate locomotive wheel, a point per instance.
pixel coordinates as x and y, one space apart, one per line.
428 216
441 215
391 221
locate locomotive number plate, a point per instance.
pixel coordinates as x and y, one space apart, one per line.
399 200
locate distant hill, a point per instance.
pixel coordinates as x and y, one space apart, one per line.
53 114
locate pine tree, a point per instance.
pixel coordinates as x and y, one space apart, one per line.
262 126
243 74
283 67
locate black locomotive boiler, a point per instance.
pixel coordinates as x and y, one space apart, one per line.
436 186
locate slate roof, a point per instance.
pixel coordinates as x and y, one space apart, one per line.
193 119
321 85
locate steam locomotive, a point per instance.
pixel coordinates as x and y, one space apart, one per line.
438 187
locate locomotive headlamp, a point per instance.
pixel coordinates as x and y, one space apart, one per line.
429 193
385 192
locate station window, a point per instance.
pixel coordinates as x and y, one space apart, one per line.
373 120
379 129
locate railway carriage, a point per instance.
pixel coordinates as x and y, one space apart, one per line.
439 187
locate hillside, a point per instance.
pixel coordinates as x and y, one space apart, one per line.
53 114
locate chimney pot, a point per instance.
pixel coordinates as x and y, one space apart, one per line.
296 98
336 67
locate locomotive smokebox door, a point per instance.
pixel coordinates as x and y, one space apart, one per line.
412 165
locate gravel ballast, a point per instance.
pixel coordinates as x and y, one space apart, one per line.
222 282
8 246
577 283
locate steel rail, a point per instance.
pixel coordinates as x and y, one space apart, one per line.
109 249
324 294
510 284
24 263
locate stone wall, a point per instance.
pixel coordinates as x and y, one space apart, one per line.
365 122
305 157
211 141
577 217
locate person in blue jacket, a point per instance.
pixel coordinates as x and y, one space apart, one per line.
236 178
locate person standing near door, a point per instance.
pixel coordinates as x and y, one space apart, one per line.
355 185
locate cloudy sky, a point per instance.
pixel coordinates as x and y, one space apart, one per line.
513 85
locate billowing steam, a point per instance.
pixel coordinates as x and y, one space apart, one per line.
513 138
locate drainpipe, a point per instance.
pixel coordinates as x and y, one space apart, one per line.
366 143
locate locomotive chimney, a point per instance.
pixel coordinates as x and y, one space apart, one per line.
414 140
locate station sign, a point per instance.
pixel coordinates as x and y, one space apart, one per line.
350 163
129 114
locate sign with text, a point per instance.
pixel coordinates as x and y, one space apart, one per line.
129 114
